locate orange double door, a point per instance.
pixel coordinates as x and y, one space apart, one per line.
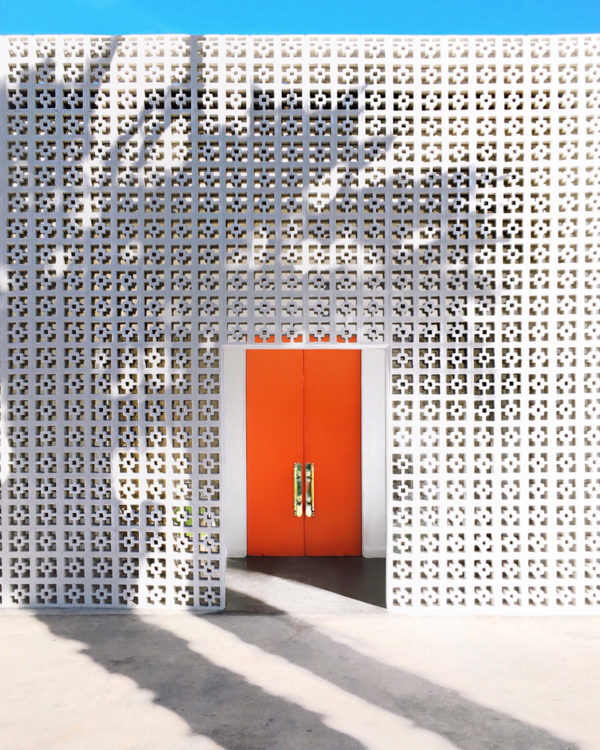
303 416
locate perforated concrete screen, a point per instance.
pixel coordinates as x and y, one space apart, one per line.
164 196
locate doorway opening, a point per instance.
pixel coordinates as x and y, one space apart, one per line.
313 388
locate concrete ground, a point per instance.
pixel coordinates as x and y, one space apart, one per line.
296 666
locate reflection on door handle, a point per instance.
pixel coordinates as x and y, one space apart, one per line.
298 490
310 490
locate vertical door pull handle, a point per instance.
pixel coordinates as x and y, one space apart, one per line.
310 490
298 490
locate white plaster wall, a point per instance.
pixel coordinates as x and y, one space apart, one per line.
374 450
234 451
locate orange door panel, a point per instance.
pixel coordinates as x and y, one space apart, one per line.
303 406
332 445
274 437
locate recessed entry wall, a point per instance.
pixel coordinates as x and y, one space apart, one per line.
164 197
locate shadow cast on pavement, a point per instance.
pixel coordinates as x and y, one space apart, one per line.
468 725
214 701
222 705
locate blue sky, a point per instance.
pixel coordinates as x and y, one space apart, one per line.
300 17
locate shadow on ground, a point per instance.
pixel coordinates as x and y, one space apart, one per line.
359 578
222 705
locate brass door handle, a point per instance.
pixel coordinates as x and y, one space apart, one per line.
298 490
310 490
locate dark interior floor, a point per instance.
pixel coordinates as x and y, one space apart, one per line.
357 578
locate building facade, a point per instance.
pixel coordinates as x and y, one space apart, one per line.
167 202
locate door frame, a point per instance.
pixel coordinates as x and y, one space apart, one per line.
374 430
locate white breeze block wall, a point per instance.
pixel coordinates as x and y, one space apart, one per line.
164 196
